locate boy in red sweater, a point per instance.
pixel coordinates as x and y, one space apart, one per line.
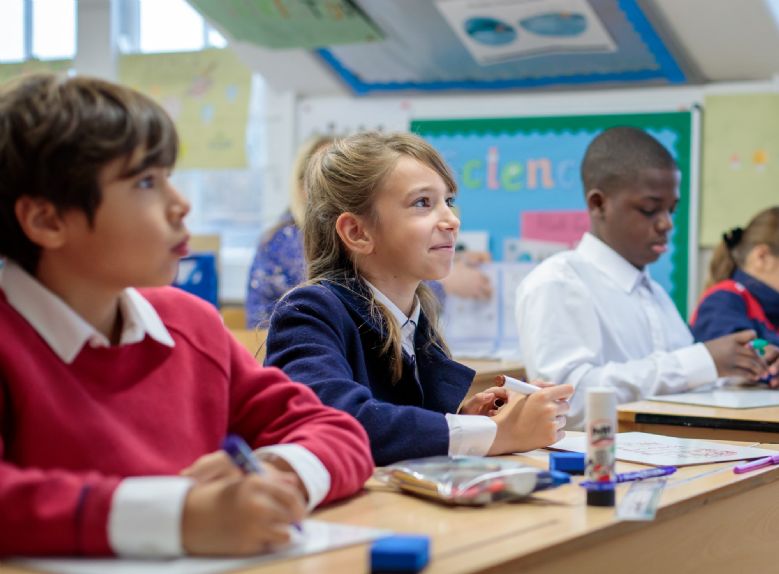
114 400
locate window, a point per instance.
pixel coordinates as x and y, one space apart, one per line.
41 29
150 26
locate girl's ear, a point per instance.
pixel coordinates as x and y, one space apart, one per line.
40 221
354 234
760 258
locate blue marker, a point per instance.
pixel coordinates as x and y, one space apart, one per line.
636 475
243 457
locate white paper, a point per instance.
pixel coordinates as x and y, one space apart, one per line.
496 31
659 450
317 537
530 250
474 240
730 399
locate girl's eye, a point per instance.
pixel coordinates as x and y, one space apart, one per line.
422 202
450 201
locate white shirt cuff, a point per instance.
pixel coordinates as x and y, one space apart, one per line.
470 435
697 364
306 465
145 517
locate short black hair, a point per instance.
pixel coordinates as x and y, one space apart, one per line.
57 133
617 157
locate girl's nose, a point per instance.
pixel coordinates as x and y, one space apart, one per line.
179 204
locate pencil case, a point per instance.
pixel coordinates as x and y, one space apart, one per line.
469 481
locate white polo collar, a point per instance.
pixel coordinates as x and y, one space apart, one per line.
63 329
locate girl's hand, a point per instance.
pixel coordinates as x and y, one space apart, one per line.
242 516
483 403
532 421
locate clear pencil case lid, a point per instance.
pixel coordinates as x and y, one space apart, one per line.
472 481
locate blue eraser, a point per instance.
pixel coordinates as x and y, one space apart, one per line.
570 462
406 553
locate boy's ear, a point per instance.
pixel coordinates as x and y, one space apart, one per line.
596 202
354 234
40 221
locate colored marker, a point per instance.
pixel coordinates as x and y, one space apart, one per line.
243 457
514 385
759 346
756 464
638 475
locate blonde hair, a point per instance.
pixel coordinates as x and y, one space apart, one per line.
346 177
297 193
737 243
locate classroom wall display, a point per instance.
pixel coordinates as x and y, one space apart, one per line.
518 181
206 93
11 70
740 161
499 44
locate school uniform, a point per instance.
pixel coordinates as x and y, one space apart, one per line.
589 318
325 336
735 304
93 436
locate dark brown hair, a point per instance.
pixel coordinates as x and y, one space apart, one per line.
616 158
58 133
736 244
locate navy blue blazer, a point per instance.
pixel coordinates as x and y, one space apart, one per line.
723 312
323 336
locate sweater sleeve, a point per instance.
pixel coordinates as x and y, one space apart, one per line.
52 512
721 313
268 409
311 338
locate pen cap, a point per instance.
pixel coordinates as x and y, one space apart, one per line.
601 494
601 427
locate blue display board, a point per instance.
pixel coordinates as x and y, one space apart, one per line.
505 167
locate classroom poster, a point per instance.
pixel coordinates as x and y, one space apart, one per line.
290 23
515 171
8 71
740 161
207 95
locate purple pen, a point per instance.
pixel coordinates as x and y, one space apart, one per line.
638 475
243 457
756 464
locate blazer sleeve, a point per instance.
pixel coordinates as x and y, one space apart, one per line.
268 409
313 339
721 313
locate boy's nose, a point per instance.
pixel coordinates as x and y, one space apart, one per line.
666 222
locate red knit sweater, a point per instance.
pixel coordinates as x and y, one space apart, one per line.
69 433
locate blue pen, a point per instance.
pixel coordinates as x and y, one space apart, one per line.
243 457
637 475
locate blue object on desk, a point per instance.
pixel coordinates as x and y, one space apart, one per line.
570 462
197 274
402 553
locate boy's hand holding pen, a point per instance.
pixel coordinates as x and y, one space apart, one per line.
234 509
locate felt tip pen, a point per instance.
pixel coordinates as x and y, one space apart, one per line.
759 346
243 457
637 475
756 464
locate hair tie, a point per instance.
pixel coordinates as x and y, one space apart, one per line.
733 237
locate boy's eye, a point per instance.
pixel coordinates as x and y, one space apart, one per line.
648 212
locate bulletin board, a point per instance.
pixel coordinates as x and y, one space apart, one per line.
520 175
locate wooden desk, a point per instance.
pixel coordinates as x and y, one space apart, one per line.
487 370
695 421
709 520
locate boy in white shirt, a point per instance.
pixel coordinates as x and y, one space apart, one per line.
592 316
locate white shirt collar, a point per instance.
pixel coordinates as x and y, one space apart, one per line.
408 325
612 264
63 329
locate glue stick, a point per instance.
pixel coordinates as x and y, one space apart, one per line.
601 426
